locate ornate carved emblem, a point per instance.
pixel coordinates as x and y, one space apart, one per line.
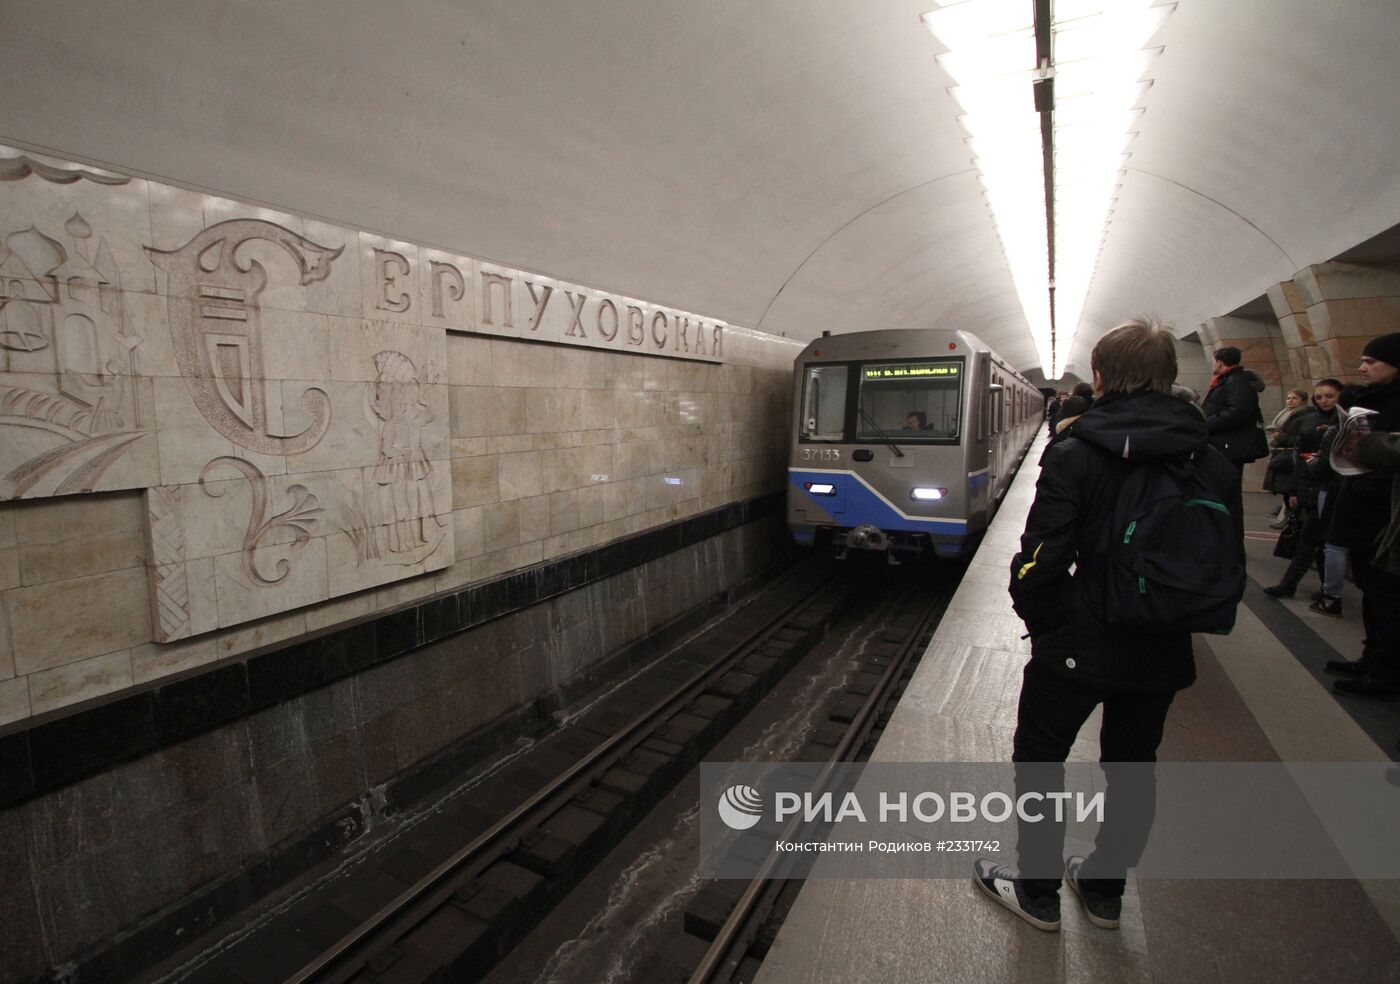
214 322
301 516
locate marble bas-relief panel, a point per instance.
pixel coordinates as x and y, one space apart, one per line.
270 395
288 431
368 502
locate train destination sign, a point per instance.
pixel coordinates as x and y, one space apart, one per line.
913 370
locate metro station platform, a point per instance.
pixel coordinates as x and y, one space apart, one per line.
1260 696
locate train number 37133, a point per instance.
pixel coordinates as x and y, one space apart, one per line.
821 454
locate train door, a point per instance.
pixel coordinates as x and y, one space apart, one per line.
979 457
997 451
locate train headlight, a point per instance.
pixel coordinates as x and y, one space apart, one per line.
927 494
820 488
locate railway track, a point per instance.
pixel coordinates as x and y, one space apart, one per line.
756 909
470 883
645 916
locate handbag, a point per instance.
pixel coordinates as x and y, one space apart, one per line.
1288 540
1278 476
1259 439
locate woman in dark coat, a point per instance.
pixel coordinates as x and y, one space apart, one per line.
1307 552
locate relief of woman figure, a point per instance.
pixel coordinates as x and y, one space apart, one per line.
402 499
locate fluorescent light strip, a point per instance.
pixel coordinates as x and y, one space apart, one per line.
1099 60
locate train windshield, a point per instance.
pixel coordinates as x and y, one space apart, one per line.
824 403
910 401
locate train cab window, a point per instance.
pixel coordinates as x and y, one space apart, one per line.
909 401
824 403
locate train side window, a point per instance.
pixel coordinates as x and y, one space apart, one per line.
997 397
824 403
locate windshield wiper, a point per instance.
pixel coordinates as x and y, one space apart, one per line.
880 433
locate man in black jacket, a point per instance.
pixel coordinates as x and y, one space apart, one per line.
1052 410
1232 412
1364 510
1077 661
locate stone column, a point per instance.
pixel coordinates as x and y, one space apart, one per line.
1193 364
1347 305
1305 361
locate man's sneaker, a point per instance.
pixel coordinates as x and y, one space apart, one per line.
1281 590
1000 882
1327 606
1346 667
1103 911
1318 596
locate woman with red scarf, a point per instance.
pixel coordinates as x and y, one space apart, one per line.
1232 412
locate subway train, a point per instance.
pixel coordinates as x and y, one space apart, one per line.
904 441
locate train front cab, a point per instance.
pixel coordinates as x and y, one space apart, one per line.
880 460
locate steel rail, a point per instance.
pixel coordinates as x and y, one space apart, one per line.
727 950
433 888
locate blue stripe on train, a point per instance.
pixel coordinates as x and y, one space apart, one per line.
862 505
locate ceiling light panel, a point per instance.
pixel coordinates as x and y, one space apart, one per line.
1098 64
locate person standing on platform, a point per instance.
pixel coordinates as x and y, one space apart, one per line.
1282 433
1052 410
1335 557
1365 523
1070 411
1078 400
1231 407
1307 441
1136 433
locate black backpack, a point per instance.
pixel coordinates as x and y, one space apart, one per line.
1171 559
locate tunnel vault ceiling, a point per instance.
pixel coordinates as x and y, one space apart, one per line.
792 166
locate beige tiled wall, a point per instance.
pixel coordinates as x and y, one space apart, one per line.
559 449
554 449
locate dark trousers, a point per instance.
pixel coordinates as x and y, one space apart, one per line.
1307 551
1052 709
1380 616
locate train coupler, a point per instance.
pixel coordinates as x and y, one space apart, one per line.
867 536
